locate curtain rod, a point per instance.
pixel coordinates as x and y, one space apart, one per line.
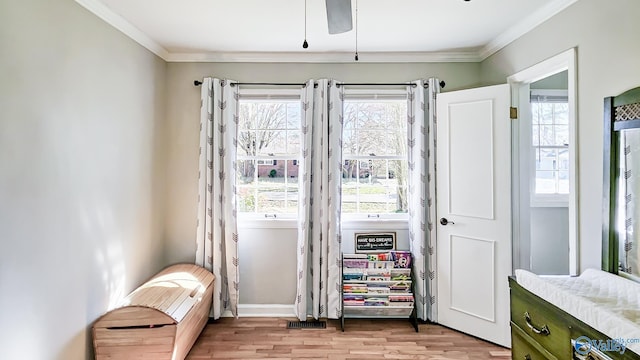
426 84
198 83
442 84
375 84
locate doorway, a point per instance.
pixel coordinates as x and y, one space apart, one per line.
544 163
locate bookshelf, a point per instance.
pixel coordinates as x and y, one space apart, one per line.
378 285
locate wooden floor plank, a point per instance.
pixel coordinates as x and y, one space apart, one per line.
268 338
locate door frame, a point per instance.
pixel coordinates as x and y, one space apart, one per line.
520 81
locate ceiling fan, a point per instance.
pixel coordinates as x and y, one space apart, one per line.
339 17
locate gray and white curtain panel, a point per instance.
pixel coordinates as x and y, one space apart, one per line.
217 234
421 131
319 232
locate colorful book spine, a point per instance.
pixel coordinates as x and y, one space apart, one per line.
375 302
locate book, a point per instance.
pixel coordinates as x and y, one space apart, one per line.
402 259
378 290
355 256
375 302
354 302
381 257
400 277
354 276
355 263
400 287
401 298
380 264
361 289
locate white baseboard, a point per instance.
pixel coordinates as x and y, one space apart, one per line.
263 310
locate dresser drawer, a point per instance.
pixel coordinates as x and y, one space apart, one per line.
523 347
541 322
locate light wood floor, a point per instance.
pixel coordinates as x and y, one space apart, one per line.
258 338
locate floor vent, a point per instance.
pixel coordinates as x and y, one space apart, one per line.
306 325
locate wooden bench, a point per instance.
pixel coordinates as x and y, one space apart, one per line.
160 319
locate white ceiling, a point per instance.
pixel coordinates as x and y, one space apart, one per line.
273 30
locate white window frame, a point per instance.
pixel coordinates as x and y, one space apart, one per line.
261 219
385 220
265 162
546 200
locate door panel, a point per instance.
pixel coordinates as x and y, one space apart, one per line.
474 196
471 172
477 280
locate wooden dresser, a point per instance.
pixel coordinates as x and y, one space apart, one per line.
540 330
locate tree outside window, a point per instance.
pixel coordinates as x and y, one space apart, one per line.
374 173
268 154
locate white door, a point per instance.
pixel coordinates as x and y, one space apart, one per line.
474 211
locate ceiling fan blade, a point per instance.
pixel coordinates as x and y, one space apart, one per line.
339 16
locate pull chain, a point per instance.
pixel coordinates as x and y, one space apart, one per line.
356 57
305 44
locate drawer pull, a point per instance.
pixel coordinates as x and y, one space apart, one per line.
527 357
544 331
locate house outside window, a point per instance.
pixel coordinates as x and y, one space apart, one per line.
268 153
375 166
550 147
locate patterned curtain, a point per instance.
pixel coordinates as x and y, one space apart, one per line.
421 128
217 235
319 232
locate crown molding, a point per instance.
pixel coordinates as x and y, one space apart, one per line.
524 26
326 57
103 12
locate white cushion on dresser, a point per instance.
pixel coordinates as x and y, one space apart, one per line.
606 302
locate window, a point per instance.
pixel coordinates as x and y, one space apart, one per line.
268 153
550 144
375 166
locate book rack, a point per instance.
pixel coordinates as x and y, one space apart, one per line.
377 285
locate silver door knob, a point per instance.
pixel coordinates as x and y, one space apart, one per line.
444 221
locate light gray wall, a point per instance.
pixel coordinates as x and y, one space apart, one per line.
608 54
267 265
549 240
557 81
81 174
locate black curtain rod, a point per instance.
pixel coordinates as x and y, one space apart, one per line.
442 84
198 83
375 84
267 84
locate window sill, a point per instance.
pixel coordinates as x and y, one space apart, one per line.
549 204
375 224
